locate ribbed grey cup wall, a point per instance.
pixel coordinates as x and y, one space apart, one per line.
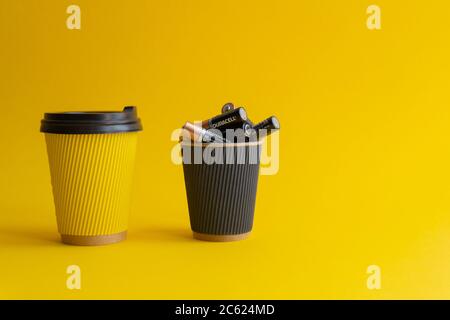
221 197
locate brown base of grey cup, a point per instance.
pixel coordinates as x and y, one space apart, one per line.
221 189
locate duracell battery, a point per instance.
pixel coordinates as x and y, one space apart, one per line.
230 120
244 133
269 125
198 134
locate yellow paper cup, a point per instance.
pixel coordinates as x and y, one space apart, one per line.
91 157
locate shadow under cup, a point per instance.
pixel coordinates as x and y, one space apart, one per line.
221 182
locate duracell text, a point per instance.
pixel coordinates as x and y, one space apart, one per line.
232 125
229 120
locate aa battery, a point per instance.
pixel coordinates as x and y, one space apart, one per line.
245 132
230 120
271 123
198 134
267 126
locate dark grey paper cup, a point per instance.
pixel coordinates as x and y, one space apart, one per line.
221 189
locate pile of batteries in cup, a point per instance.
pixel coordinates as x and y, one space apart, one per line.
232 125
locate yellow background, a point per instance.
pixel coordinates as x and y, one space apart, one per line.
365 144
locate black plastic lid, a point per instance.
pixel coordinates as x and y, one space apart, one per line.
92 122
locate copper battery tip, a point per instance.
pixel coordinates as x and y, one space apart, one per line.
188 132
198 134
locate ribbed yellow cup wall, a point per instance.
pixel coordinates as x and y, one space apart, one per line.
91 179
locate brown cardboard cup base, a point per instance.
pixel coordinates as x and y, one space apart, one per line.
93 240
220 237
